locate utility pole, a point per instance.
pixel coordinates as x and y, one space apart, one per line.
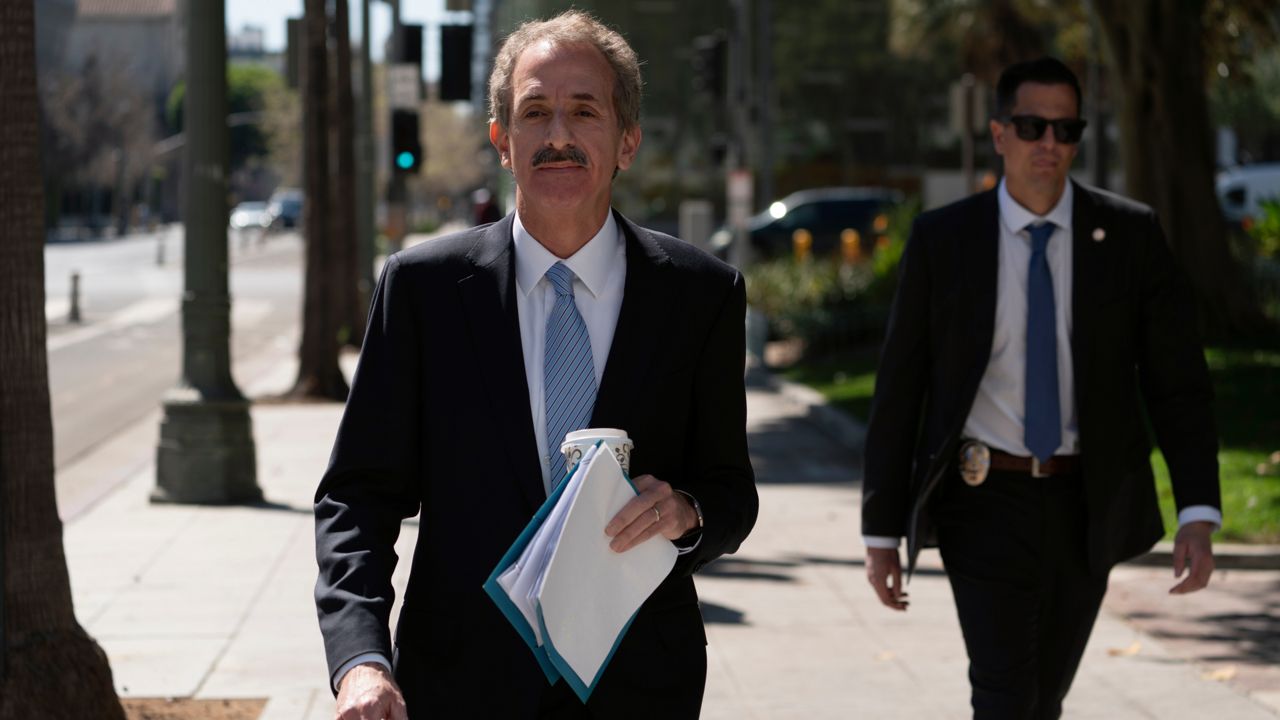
764 97
967 142
738 178
206 452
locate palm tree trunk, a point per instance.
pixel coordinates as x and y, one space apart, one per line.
49 666
319 375
345 277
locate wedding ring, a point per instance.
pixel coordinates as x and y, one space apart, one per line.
657 516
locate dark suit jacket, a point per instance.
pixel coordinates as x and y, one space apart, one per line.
1132 345
438 422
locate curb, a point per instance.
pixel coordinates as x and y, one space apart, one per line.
852 435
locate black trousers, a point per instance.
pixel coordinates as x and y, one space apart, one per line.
1014 551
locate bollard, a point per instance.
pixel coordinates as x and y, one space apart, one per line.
850 246
160 249
801 244
881 223
74 315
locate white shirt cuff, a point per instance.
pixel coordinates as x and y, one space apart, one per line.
881 541
1200 513
371 657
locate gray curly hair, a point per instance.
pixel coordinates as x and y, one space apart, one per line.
573 27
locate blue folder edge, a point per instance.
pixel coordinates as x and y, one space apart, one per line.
580 688
552 664
499 595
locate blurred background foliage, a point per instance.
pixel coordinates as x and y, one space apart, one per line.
829 304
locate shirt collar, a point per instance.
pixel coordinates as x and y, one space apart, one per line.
591 264
1016 217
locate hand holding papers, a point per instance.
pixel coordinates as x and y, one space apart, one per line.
560 585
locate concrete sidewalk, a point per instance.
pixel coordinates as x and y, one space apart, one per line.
216 602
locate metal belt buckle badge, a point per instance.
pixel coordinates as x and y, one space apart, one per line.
975 463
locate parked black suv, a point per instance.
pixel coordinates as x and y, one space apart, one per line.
824 212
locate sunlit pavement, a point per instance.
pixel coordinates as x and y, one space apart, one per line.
216 602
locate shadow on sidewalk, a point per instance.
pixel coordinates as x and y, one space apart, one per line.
737 567
1249 636
794 451
721 615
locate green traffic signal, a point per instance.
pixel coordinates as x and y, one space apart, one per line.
406 147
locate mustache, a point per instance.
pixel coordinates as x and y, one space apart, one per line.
554 155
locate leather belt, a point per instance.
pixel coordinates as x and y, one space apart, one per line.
1056 465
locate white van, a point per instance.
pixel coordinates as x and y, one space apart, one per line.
1242 189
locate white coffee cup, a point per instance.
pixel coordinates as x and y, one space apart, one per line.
577 443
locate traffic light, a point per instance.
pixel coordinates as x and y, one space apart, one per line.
406 144
709 64
455 62
411 44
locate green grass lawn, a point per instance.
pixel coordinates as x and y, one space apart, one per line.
1247 388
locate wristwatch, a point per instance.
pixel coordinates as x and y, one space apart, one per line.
697 510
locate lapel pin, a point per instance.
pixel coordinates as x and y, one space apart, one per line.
1099 234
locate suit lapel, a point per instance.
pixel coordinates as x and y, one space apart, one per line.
488 299
980 256
1088 273
645 304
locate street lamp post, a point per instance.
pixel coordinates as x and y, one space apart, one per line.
206 452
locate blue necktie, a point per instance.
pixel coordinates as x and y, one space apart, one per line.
1043 421
568 372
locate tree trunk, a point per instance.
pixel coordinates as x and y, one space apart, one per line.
49 666
345 282
1157 56
319 375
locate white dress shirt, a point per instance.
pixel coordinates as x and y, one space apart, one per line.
996 417
600 273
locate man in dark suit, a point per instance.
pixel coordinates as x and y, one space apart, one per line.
483 349
1033 324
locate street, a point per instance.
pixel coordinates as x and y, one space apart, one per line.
112 369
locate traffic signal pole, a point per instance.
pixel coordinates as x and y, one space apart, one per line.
397 195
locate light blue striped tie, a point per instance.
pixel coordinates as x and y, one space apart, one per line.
568 372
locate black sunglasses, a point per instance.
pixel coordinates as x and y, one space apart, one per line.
1031 128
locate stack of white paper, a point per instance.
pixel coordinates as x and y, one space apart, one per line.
560 585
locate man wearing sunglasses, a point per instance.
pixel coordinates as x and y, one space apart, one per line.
1033 327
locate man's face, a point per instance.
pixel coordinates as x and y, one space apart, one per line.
1044 162
563 140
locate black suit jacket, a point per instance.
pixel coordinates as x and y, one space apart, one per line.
438 423
1133 348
